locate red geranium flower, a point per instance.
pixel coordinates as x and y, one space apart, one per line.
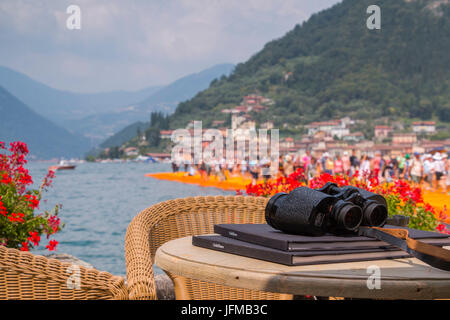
24 246
6 179
20 227
52 245
3 210
18 147
34 237
33 201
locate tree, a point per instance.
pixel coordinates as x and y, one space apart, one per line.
139 133
115 153
153 136
159 120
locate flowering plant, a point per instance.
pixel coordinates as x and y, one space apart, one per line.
402 197
20 228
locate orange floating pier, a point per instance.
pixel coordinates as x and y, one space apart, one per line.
231 183
438 200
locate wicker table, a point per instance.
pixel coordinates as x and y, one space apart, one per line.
400 278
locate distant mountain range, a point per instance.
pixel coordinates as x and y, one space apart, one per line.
185 88
59 105
45 139
102 125
96 116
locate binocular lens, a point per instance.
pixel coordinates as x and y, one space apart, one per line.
315 212
375 215
350 217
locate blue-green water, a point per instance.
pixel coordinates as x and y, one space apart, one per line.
100 200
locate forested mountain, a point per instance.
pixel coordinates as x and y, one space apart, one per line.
332 66
127 133
45 140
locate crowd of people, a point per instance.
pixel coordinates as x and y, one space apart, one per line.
429 170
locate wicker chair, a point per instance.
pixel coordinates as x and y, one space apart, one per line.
25 276
180 218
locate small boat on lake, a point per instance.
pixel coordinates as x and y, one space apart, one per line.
63 165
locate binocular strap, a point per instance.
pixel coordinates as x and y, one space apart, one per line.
433 255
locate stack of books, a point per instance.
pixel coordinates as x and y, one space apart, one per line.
260 241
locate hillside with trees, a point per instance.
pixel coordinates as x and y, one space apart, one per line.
333 66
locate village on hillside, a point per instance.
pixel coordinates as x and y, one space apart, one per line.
333 137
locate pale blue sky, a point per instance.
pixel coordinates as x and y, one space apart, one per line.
131 44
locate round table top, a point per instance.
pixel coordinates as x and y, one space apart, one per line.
406 278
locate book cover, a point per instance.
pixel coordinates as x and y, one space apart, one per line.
293 258
265 235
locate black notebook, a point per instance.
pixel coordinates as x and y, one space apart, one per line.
265 235
294 258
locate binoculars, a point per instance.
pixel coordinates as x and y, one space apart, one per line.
329 209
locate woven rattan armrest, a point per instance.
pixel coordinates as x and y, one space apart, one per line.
25 276
178 218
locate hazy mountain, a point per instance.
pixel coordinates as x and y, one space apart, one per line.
58 105
45 139
333 66
185 88
100 126
99 115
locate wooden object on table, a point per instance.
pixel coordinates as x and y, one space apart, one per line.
406 278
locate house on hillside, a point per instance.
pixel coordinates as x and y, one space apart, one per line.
242 122
249 103
424 127
354 137
166 134
332 128
252 100
236 121
426 146
404 138
267 125
131 151
218 123
258 108
287 143
382 131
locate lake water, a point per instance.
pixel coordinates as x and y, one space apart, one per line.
100 200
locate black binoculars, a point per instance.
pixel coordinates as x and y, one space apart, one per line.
328 209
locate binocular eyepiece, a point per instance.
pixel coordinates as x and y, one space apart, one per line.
329 209
374 206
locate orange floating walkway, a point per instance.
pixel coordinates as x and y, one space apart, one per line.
439 200
231 183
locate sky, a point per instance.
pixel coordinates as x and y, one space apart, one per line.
133 44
